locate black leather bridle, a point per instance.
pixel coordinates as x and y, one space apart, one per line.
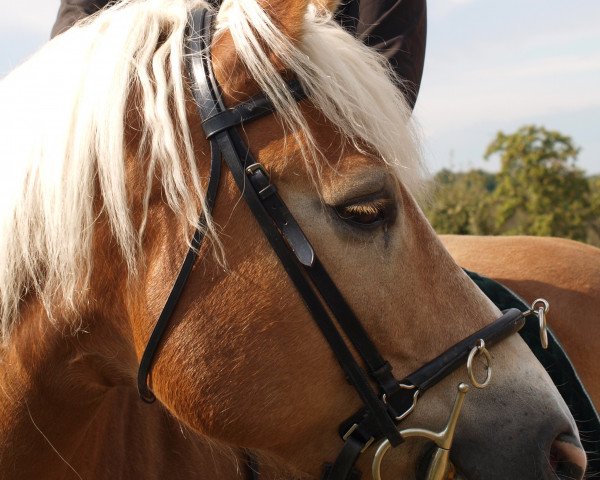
393 399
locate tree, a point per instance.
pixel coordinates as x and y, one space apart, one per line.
461 203
594 233
540 191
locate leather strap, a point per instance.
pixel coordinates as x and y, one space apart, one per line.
178 287
377 367
286 223
252 109
422 379
238 161
343 467
190 259
427 376
252 467
317 290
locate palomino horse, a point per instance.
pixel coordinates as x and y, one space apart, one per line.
105 166
564 272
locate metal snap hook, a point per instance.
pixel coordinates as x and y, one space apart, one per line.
479 349
541 307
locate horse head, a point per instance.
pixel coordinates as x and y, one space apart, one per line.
100 218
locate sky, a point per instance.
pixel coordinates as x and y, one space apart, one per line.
489 66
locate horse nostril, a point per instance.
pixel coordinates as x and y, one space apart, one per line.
567 458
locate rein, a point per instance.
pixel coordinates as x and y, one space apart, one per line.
393 399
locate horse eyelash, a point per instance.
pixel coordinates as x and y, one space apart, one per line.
369 208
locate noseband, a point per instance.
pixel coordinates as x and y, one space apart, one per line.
393 399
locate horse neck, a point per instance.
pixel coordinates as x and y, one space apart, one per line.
69 409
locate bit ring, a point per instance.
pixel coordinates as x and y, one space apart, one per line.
479 349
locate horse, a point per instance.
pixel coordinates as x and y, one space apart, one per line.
105 173
564 272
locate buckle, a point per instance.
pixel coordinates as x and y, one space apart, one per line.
351 430
410 409
255 167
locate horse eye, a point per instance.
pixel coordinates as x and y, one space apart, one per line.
365 214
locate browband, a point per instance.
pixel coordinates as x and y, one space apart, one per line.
258 106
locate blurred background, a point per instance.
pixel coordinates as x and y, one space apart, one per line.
509 108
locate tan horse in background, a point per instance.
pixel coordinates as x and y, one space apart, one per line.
564 272
103 169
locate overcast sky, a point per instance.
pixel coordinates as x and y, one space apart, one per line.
490 65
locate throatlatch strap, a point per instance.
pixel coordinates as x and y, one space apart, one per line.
185 270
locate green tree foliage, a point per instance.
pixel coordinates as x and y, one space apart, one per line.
594 233
462 202
538 191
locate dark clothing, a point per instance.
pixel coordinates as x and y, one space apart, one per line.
395 28
72 10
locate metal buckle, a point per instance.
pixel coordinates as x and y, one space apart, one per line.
351 430
252 169
404 386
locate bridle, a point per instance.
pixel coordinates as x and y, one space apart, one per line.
393 399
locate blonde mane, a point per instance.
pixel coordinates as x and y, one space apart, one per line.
63 123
